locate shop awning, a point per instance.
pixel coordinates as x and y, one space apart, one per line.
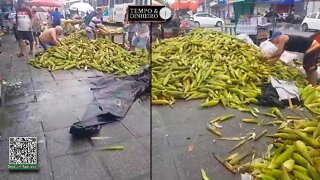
222 1
185 5
46 3
233 1
289 2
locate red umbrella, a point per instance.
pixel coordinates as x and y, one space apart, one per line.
47 3
178 5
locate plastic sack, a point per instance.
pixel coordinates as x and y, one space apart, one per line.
288 58
245 38
268 48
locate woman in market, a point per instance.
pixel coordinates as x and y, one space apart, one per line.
141 38
301 44
12 19
131 29
49 19
36 25
184 26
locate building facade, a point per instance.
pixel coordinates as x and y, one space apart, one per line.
312 6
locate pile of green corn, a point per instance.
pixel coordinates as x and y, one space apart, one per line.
295 154
77 51
311 98
212 66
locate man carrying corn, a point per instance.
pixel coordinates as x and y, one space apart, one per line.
306 45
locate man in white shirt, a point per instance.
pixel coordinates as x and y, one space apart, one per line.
24 28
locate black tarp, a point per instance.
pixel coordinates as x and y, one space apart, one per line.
113 98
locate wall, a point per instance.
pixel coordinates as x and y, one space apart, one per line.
312 6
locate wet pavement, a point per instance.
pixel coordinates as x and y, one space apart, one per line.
45 104
182 145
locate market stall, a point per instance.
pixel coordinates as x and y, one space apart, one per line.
255 26
70 25
110 34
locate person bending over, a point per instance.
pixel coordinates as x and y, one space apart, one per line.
309 47
49 37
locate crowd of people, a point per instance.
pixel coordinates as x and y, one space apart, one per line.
29 28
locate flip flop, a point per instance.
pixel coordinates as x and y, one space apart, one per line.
20 55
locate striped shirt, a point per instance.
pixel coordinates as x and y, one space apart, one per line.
93 24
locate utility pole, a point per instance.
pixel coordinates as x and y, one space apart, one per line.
205 6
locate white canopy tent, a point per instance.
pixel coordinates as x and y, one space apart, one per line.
81 7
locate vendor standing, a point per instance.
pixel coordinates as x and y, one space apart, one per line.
93 26
184 26
36 25
141 38
49 37
301 44
56 18
130 28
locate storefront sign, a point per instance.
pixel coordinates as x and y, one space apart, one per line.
277 1
233 1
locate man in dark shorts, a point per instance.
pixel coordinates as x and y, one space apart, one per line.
306 45
24 28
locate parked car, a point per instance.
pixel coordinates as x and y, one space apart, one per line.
206 20
293 18
311 21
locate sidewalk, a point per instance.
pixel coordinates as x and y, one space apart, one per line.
182 145
46 104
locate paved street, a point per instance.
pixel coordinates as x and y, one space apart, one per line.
45 104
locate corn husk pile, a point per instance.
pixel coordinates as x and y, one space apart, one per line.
311 98
69 28
212 66
106 31
77 51
68 25
295 155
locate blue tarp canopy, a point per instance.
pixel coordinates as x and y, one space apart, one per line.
289 2
222 1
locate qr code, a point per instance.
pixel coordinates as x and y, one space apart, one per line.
23 150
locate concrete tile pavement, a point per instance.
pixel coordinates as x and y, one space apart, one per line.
45 104
182 126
